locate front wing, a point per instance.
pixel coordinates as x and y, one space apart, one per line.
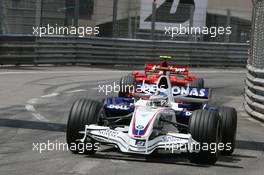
171 142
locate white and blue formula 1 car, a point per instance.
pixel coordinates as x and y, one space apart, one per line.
167 121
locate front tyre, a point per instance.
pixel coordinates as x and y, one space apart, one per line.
229 124
205 128
83 112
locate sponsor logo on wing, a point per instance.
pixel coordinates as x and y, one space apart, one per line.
170 139
121 107
190 91
140 142
180 70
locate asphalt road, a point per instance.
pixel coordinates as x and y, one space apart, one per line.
35 102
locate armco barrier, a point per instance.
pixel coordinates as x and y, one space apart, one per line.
55 50
254 98
17 50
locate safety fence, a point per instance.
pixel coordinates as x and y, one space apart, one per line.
137 19
57 50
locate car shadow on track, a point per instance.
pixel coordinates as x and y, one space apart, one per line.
181 159
59 127
113 153
35 125
162 159
235 158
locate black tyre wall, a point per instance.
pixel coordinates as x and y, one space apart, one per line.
83 112
229 124
205 128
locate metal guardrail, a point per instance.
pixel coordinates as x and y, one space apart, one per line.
254 98
56 50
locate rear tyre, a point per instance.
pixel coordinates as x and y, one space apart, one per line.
198 82
205 128
83 112
229 124
126 85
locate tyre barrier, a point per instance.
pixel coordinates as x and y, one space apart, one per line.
254 93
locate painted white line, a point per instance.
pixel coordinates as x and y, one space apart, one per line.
40 117
30 108
78 90
30 104
50 95
32 101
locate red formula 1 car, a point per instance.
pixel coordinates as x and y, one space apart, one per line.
179 76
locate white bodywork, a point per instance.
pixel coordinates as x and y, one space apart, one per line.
170 143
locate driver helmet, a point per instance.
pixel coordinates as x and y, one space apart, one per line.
160 100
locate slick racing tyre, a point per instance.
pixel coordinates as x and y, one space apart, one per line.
205 128
229 125
126 85
83 112
198 82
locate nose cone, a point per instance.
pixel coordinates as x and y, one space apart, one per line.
142 122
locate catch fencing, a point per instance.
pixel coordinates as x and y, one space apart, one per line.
137 19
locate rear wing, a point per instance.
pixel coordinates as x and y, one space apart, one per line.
181 93
173 69
191 94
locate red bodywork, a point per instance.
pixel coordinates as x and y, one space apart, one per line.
179 75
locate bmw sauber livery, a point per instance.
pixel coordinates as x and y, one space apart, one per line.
155 121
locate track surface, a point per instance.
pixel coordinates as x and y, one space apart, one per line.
35 103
